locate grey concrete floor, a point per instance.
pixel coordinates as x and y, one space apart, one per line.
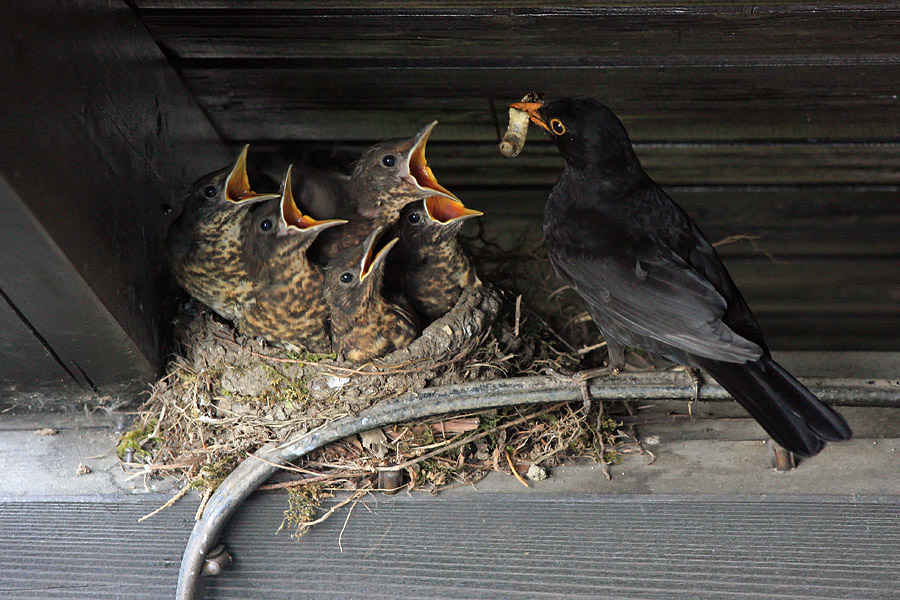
706 502
716 450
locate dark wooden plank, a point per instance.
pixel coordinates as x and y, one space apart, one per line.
710 34
480 164
685 163
500 7
696 103
786 222
26 361
833 332
99 133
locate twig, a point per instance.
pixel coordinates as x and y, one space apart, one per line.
206 495
310 480
357 495
518 315
334 509
472 438
513 469
169 503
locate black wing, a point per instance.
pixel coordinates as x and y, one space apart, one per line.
648 289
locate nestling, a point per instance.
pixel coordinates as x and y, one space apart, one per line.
204 242
287 306
363 324
435 269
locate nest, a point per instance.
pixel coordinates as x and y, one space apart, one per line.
226 395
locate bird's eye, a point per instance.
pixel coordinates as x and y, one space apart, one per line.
266 225
557 127
414 217
389 160
346 277
210 191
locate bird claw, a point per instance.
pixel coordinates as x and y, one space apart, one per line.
582 378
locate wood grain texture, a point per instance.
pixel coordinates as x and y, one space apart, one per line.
28 363
778 121
99 134
786 222
655 36
684 103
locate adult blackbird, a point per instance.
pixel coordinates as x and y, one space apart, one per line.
650 279
434 267
287 306
204 243
387 177
363 324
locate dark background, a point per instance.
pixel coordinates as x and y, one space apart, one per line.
775 121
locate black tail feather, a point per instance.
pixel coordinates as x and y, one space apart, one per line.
789 412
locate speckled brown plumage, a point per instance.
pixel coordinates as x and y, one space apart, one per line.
287 305
435 268
204 246
363 324
387 177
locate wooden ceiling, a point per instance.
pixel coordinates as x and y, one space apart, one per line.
772 120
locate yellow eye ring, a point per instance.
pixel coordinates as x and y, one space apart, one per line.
557 126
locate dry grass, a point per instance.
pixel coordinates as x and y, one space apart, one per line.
225 395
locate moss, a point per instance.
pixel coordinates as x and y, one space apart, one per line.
214 473
291 393
303 503
135 439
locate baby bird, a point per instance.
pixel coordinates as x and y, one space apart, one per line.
434 266
203 245
287 307
387 177
363 324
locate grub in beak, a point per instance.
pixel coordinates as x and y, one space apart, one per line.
532 109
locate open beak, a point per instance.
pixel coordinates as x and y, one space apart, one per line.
372 260
237 186
446 211
532 109
292 217
419 170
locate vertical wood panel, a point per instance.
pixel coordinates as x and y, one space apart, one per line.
99 133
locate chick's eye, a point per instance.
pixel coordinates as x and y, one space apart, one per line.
414 217
266 225
389 160
557 127
210 191
346 277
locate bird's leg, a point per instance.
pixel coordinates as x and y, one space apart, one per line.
614 366
696 382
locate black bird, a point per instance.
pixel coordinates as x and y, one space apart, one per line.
651 280
434 268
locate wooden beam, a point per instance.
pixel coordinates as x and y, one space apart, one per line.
505 33
99 135
296 100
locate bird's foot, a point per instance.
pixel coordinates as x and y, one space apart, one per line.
696 382
582 378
